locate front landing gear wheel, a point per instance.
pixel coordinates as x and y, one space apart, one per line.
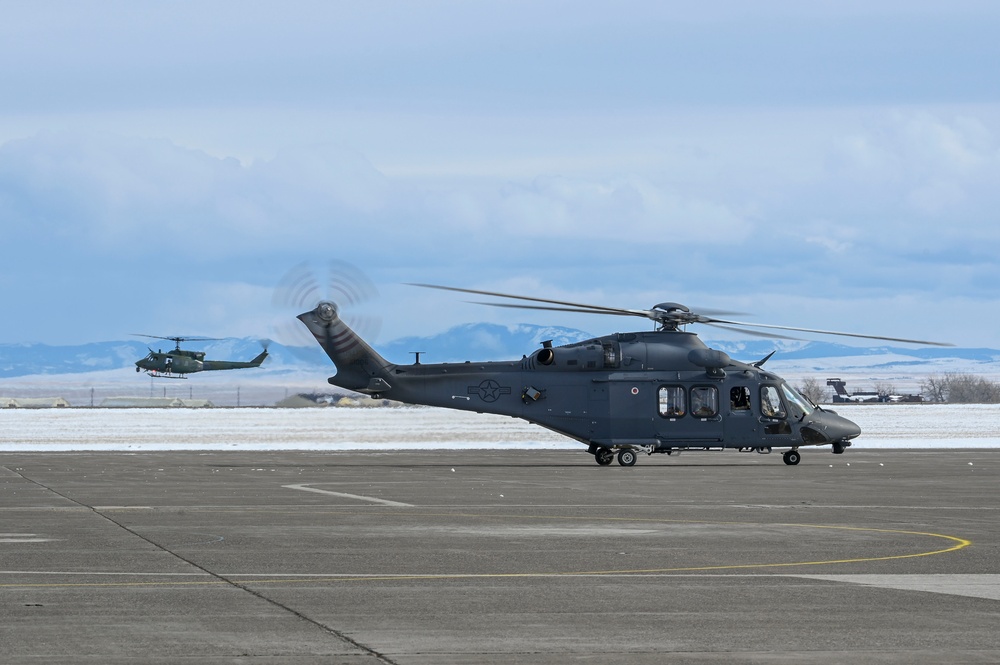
626 457
791 457
604 456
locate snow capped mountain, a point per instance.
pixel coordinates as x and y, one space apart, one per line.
28 359
479 341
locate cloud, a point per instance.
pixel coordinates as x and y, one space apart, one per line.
112 193
104 57
179 238
900 185
906 153
614 210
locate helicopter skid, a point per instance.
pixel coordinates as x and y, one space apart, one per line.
161 375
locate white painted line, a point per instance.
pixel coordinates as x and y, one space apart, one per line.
971 585
958 584
22 538
25 540
80 573
384 502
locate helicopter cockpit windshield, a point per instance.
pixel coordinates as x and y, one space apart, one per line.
797 400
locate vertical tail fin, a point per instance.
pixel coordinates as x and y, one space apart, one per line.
359 366
259 359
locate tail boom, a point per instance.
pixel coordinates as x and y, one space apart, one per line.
211 365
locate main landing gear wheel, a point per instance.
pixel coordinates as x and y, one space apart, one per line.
604 456
626 457
791 457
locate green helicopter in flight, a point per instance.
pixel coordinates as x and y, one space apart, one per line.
178 363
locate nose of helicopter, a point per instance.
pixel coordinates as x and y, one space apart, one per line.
839 428
849 428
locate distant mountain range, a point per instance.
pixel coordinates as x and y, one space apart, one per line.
486 341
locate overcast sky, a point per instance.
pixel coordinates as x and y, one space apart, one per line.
832 165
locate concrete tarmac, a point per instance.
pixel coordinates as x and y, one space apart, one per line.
499 557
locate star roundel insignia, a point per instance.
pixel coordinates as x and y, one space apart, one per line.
489 390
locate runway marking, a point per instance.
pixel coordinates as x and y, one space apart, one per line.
501 504
384 502
23 538
985 586
958 543
970 585
80 573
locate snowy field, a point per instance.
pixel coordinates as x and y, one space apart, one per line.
415 428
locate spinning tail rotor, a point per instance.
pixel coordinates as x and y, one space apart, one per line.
336 284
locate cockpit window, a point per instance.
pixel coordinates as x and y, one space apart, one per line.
770 402
795 399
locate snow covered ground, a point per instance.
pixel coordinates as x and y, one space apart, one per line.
333 429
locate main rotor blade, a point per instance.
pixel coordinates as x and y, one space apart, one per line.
640 313
754 333
583 307
830 332
656 315
719 312
180 339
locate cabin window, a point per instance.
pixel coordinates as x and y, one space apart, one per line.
704 402
770 402
739 398
672 401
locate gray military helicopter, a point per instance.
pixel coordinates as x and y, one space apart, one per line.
659 391
176 364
